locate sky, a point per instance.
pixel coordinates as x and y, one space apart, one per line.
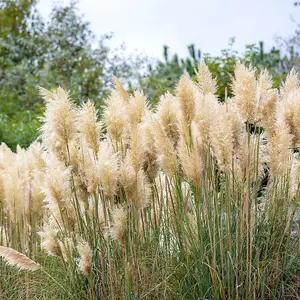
147 25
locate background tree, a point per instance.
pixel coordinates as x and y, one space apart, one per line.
61 51
162 76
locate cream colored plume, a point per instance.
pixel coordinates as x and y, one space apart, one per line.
190 161
88 126
147 136
87 169
85 260
120 89
205 114
244 90
59 123
295 178
18 260
185 93
150 164
118 223
166 152
207 84
57 189
136 152
7 157
49 240
137 108
238 127
279 146
222 138
135 184
289 113
167 116
267 102
291 83
115 117
108 168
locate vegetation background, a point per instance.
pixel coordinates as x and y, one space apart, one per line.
63 50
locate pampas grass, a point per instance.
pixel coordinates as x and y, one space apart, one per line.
191 199
17 259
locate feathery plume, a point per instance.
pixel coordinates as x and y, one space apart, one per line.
1 190
115 118
166 115
136 152
143 191
7 157
87 169
244 90
221 136
38 156
205 113
57 189
291 83
166 152
59 123
49 240
295 177
15 190
86 256
46 95
135 184
146 133
207 84
137 108
120 89
18 260
118 227
185 93
238 128
191 162
108 168
88 126
127 176
267 106
279 147
148 144
289 113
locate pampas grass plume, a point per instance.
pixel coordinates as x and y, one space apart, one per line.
167 116
118 223
86 255
244 90
108 168
185 93
88 126
120 89
207 84
18 260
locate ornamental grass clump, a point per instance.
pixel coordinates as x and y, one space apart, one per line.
191 199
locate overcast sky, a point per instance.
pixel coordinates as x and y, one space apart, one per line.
147 25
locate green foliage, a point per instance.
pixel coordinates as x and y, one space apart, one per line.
20 130
58 52
163 75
